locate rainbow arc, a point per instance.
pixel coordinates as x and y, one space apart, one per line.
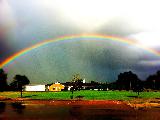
74 37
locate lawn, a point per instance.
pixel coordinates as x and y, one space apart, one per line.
88 95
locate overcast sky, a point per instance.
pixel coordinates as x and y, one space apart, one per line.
24 23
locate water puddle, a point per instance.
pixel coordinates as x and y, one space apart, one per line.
28 110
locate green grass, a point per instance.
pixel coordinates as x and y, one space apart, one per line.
88 95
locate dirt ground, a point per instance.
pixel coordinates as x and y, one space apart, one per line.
136 103
136 109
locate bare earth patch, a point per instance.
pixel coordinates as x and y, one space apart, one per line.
139 103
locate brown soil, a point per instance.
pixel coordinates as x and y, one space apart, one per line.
136 103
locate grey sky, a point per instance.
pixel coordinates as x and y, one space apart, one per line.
28 22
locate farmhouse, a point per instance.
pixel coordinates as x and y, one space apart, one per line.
56 87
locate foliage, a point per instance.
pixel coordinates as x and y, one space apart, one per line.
3 80
76 83
128 81
19 81
153 81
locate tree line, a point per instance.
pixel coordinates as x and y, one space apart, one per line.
125 81
130 81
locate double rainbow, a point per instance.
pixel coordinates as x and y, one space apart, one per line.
72 37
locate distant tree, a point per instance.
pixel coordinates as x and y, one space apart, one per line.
18 83
127 81
104 86
138 86
95 85
153 81
3 80
113 86
76 83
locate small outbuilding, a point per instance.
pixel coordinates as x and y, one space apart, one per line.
35 88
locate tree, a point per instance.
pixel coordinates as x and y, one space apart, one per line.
138 86
153 81
18 83
76 83
3 80
127 81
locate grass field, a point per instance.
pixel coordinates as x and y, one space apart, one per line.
88 95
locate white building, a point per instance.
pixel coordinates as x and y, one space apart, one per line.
84 81
34 88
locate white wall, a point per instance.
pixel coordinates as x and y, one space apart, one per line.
35 88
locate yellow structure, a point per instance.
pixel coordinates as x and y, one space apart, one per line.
56 87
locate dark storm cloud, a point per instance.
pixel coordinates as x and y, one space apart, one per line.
35 23
5 47
6 24
144 70
148 59
94 60
113 58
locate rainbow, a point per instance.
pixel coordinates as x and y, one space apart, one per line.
72 37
